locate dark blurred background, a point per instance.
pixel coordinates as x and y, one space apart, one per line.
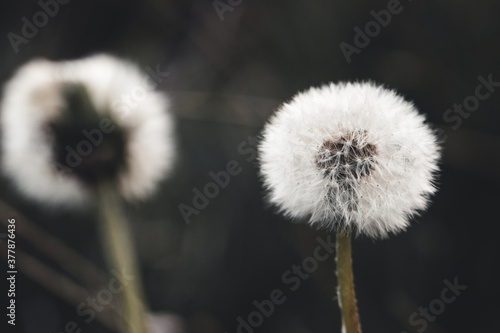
228 71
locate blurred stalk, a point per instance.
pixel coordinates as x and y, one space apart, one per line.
77 265
58 284
121 256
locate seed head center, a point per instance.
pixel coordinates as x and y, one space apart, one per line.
350 157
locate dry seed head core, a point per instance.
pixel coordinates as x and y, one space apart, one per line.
350 157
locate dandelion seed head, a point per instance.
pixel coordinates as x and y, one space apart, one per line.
98 106
349 155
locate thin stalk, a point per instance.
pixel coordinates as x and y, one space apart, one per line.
58 284
44 242
346 294
121 257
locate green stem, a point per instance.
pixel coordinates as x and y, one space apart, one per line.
346 294
117 239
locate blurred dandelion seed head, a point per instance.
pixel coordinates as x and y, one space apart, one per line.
66 127
349 155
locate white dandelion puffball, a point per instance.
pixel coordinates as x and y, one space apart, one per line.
352 156
71 124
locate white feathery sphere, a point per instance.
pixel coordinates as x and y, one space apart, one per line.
353 156
35 104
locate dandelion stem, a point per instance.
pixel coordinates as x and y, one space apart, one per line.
121 257
346 294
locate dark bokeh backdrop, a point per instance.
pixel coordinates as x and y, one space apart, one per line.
225 78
